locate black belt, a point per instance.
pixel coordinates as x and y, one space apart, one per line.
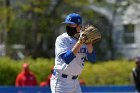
66 76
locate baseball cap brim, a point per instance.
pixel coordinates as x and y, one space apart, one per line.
68 23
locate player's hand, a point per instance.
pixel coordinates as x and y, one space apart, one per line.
82 39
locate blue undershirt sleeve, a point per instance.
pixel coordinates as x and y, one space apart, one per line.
68 56
91 56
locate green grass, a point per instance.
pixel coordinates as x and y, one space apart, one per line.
116 72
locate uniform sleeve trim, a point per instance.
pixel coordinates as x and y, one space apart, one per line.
68 56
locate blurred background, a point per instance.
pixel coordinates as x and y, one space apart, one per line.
28 29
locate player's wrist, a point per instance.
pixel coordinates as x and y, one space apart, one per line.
79 42
89 44
82 39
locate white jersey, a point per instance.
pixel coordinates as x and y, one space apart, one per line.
63 44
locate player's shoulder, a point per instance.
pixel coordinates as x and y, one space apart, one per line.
21 74
63 36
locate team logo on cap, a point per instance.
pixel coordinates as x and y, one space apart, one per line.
69 18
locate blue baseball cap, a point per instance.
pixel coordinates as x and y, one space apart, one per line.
73 18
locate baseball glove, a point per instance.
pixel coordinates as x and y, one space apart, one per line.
90 34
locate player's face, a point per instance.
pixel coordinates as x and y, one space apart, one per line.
71 25
78 27
73 30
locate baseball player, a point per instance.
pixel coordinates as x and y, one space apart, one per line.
136 74
70 54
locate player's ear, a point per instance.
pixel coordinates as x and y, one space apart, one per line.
78 27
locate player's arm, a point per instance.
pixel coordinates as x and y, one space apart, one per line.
76 48
78 45
62 50
18 81
91 55
89 48
67 56
70 55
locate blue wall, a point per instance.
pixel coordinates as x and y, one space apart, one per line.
85 89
